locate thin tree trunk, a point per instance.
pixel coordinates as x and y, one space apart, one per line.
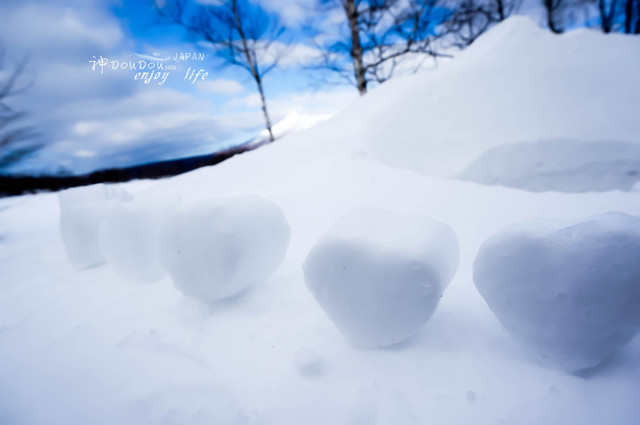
628 17
267 120
253 65
551 7
606 17
500 4
351 11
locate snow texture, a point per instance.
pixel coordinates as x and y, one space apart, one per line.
82 211
308 362
217 249
130 237
379 276
569 291
517 83
561 165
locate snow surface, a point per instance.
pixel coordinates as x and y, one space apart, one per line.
90 347
564 165
380 276
527 85
569 291
217 249
308 362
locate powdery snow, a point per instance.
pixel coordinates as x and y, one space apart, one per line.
569 291
380 276
308 362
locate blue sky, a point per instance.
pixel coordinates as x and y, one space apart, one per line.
90 119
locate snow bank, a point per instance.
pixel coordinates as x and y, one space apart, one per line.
517 83
380 276
82 210
561 165
569 291
217 249
130 237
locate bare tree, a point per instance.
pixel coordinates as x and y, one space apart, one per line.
469 19
381 33
607 10
16 141
503 8
632 16
502 11
239 31
554 10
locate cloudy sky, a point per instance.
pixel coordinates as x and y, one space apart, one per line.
92 117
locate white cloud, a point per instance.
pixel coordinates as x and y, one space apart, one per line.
221 86
288 55
249 101
58 32
84 153
292 12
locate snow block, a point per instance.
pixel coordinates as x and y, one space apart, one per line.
130 237
82 210
379 276
569 291
217 249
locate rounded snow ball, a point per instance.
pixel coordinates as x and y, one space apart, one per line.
217 249
379 276
570 292
82 211
129 238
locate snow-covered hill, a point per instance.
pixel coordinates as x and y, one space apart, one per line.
91 347
517 84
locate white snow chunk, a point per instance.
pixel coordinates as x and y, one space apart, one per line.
379 276
308 362
569 291
82 210
217 249
130 238
560 165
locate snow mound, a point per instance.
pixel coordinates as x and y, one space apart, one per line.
517 83
217 249
569 291
130 237
379 276
82 211
561 165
